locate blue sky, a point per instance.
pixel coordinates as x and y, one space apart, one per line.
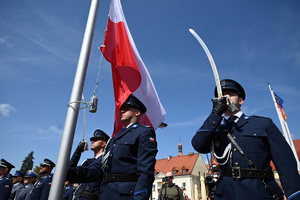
253 42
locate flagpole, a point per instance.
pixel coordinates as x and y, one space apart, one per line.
285 128
292 144
63 157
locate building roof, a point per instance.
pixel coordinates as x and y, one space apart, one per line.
297 147
179 163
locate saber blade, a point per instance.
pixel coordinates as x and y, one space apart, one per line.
211 60
214 68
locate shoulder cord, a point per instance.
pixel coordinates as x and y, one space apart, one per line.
227 152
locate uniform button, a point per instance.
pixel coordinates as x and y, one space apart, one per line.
107 167
125 142
110 155
131 191
234 150
214 123
234 138
114 145
254 134
236 164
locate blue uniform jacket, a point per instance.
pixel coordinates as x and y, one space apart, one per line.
261 142
5 187
92 187
68 192
15 190
24 194
131 151
41 188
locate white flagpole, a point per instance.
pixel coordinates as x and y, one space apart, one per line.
292 143
285 128
63 157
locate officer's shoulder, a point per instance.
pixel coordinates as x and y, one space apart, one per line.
258 117
139 126
4 178
47 176
146 126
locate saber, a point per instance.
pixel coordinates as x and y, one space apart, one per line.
214 68
211 60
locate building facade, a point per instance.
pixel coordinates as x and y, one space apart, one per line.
189 172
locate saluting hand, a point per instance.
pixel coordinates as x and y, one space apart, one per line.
220 105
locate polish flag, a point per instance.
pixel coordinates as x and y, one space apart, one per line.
130 75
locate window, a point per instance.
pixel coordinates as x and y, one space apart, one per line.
184 185
174 173
183 172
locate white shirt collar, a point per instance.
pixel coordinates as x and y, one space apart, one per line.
238 114
99 155
129 125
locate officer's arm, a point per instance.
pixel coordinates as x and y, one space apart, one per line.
77 154
46 189
70 197
85 174
203 137
147 151
284 162
4 191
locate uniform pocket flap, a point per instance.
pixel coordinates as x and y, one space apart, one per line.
254 133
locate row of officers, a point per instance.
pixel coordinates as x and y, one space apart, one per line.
29 186
22 186
123 165
127 160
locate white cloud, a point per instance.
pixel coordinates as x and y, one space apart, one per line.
5 109
56 130
2 40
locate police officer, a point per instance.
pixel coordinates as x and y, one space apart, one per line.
10 176
41 189
244 146
129 158
29 180
90 190
5 182
68 191
17 184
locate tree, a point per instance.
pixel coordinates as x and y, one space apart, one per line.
27 163
37 170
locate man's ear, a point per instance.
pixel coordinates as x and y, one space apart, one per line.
104 144
241 101
137 113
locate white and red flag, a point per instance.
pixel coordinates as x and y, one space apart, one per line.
130 75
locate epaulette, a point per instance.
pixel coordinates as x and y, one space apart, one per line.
47 176
260 116
4 178
134 126
146 126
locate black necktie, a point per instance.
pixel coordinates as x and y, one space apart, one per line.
232 119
